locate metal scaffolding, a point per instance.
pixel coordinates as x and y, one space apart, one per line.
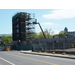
30 27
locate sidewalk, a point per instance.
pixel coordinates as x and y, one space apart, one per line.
49 54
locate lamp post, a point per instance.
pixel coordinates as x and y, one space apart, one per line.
19 42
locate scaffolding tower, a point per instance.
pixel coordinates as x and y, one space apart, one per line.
30 27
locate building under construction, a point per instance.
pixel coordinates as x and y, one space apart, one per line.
23 27
23 30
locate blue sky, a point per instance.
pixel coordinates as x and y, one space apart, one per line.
54 19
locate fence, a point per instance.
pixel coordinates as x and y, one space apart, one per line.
16 47
58 47
24 47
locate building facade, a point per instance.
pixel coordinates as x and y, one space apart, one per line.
18 27
69 34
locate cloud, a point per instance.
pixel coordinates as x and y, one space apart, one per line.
50 24
60 14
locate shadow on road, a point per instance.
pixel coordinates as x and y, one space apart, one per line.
2 49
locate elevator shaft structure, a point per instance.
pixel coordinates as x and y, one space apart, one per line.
22 26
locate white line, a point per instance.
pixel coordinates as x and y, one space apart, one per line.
7 61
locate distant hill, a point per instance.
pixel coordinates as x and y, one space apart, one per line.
5 34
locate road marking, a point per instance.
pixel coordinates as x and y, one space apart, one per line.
31 59
7 61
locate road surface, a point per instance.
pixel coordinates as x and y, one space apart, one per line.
17 58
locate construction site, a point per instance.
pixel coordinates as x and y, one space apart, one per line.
23 28
23 32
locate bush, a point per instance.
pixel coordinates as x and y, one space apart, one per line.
53 52
45 52
63 53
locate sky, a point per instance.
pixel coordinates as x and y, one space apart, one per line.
54 19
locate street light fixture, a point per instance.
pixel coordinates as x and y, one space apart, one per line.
19 42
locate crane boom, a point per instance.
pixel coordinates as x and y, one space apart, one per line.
41 30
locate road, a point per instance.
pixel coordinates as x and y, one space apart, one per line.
17 58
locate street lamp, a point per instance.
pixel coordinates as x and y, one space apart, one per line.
19 42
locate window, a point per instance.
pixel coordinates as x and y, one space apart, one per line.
17 30
17 25
17 20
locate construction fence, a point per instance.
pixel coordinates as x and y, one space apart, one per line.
16 47
58 47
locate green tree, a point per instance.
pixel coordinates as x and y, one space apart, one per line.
7 39
52 33
40 35
62 34
36 35
47 33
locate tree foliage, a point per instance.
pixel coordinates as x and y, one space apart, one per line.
7 39
40 34
62 34
50 34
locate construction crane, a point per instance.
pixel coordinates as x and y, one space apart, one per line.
40 27
41 30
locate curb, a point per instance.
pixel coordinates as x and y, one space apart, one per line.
53 55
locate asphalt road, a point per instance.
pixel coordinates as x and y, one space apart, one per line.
17 58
